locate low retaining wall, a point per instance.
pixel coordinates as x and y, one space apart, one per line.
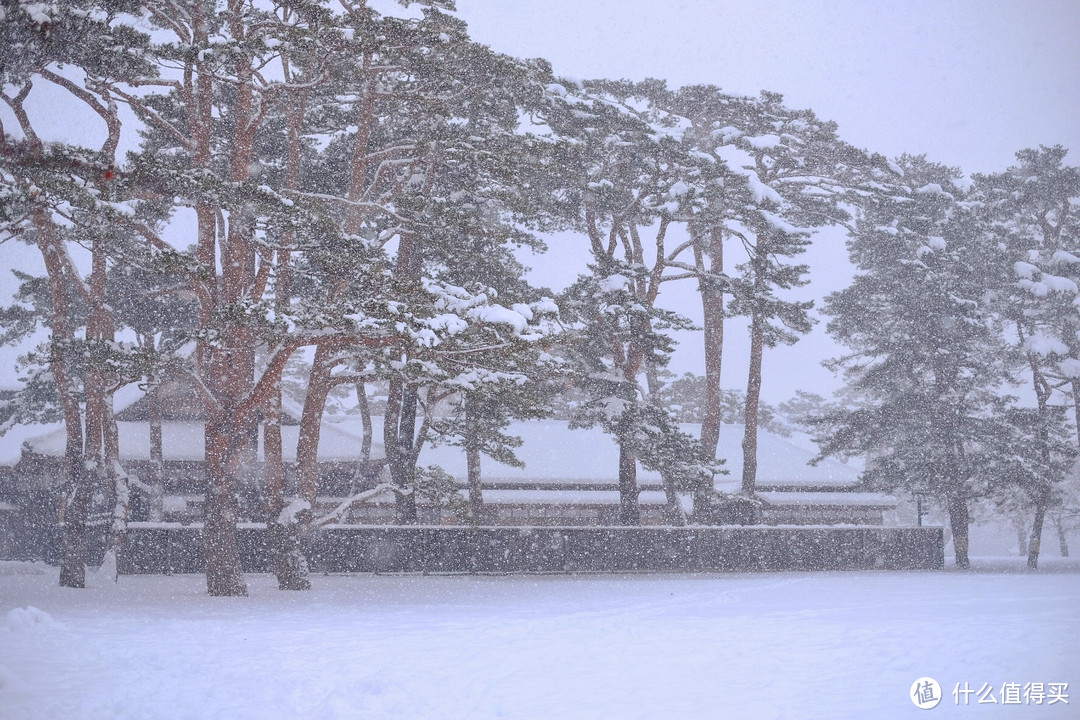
159 548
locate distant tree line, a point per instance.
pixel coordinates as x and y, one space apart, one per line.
325 198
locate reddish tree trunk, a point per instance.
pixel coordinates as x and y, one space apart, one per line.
224 456
307 447
76 502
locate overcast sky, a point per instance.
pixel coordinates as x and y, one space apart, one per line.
968 82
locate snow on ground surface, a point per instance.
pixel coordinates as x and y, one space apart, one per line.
768 645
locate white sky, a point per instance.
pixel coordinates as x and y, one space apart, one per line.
968 82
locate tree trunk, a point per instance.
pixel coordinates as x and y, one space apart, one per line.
629 509
407 510
1042 495
365 420
290 567
672 509
399 425
1022 538
157 451
1063 542
1076 408
753 396
1042 502
76 501
753 383
958 523
472 461
712 306
224 575
74 516
307 447
101 328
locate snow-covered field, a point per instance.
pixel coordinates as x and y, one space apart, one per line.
770 645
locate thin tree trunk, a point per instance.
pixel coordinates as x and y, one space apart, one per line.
290 567
672 509
157 451
712 306
753 383
398 429
472 461
102 422
1063 542
958 523
365 420
76 502
408 513
1076 408
1042 502
307 447
753 396
1042 497
629 510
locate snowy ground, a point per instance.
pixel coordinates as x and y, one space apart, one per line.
770 645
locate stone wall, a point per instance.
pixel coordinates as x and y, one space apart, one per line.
165 548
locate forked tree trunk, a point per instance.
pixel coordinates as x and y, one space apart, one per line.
75 504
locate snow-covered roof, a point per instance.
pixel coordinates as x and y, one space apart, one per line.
184 441
553 453
11 442
829 498
566 497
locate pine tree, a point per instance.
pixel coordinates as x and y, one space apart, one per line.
926 355
1035 217
55 194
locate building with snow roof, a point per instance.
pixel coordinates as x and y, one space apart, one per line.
569 476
